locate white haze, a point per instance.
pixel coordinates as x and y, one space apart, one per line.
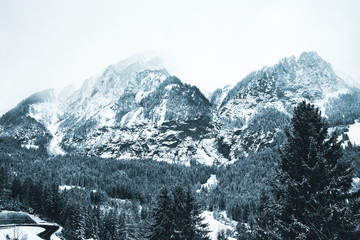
50 44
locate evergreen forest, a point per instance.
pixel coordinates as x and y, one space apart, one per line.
299 188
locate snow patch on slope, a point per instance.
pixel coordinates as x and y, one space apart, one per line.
161 110
354 133
54 145
132 118
210 184
47 114
207 153
219 222
107 116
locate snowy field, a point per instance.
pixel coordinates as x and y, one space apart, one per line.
217 221
28 233
22 232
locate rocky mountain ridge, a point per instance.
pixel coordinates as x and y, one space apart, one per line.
135 109
291 80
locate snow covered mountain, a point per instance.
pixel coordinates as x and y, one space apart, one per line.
136 109
260 105
18 123
133 109
290 81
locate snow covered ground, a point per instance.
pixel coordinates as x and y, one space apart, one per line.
29 233
25 232
68 187
354 133
210 184
47 114
219 222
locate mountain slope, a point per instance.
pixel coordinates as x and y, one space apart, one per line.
170 122
20 123
136 109
133 109
290 81
267 96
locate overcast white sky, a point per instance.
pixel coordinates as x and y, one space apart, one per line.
50 44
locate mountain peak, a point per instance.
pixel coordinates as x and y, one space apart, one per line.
291 80
141 62
310 55
136 109
313 60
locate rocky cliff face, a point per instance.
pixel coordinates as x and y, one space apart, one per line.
255 111
290 81
136 109
19 123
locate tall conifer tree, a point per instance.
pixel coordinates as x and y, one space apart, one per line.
312 189
162 226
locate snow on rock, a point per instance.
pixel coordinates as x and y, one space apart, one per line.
161 110
354 133
125 111
136 117
281 86
207 153
54 145
47 114
219 222
107 116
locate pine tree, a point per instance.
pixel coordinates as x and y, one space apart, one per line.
48 202
221 235
4 178
196 229
178 217
16 187
36 193
312 188
188 222
75 222
25 191
162 227
91 224
243 232
182 217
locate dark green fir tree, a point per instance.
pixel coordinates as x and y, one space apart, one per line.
162 227
312 190
195 227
